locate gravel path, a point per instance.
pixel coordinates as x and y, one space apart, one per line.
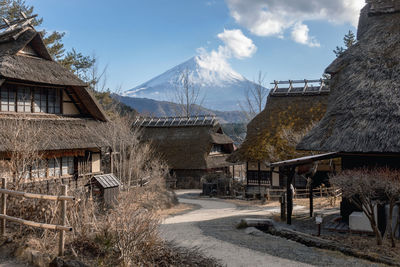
211 228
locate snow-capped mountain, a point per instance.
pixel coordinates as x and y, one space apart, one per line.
219 85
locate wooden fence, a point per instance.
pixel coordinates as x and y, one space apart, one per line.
304 193
62 199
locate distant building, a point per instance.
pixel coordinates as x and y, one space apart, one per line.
289 109
192 147
39 91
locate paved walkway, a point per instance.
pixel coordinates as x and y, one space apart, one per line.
211 228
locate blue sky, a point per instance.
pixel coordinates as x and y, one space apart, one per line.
292 39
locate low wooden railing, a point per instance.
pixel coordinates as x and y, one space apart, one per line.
304 193
62 199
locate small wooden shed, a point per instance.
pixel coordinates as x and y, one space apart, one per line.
105 188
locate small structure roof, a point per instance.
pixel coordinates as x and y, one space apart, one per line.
107 180
284 111
187 145
363 114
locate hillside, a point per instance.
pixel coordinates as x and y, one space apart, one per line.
150 107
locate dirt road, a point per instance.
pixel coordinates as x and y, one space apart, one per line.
211 228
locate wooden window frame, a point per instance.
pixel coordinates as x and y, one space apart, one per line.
44 91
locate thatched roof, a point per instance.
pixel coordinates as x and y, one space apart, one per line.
41 69
52 132
187 146
293 112
364 107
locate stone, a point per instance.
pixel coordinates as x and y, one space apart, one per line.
253 231
252 222
358 221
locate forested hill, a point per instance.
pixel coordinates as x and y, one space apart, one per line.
150 107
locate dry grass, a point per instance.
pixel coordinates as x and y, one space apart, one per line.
319 202
175 210
368 245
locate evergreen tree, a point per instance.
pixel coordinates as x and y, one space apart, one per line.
348 40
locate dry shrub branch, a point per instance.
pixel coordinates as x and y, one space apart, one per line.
368 187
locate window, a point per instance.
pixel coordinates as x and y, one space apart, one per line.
54 101
216 149
39 169
54 167
7 96
30 99
24 99
67 166
40 100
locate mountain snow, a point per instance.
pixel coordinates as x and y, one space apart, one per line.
219 85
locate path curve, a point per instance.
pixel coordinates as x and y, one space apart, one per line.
211 228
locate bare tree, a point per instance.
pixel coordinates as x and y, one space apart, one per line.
391 183
134 163
24 145
187 95
255 97
364 189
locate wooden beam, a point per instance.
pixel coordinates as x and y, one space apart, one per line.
36 196
35 224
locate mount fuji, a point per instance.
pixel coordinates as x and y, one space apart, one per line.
219 85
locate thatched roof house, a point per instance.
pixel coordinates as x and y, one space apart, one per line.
38 94
294 111
191 146
363 114
270 135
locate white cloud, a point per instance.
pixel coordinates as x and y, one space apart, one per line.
274 17
216 62
240 45
300 35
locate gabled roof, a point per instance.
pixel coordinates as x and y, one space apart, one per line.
189 146
107 180
363 114
40 69
283 112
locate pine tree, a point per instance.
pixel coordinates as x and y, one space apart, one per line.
348 40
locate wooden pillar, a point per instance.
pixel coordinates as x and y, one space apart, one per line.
247 172
3 206
289 194
64 189
311 198
259 178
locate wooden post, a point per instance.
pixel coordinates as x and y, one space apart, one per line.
320 191
3 206
64 189
111 162
259 179
311 199
290 174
